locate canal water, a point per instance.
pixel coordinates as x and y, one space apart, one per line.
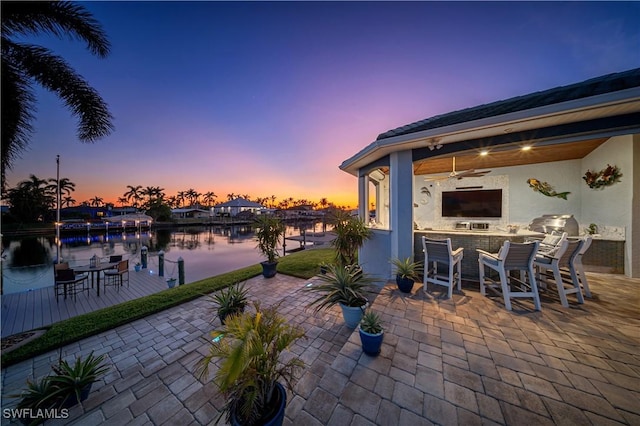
206 251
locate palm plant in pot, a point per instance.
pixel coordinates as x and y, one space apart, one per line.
269 231
371 333
251 368
73 381
351 233
68 385
343 285
230 300
407 273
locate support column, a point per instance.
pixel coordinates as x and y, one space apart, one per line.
401 205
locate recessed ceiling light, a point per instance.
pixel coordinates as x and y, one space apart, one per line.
484 152
526 147
508 130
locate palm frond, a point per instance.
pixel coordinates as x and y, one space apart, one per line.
58 18
54 74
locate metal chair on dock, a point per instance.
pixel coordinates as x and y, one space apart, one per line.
115 277
68 283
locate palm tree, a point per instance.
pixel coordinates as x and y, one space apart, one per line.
209 198
134 195
25 64
181 197
323 202
65 186
122 201
96 201
68 201
173 202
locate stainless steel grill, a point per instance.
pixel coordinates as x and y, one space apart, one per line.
558 223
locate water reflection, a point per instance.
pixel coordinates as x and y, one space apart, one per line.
206 250
30 251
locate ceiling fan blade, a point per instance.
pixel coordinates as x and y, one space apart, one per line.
434 178
473 173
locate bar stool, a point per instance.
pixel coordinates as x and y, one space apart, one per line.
439 252
576 264
561 260
511 257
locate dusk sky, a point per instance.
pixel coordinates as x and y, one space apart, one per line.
269 98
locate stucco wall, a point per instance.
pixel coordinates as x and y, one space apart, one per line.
522 204
611 205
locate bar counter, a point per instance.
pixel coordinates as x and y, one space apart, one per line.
606 254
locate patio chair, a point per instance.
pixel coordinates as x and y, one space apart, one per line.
57 267
578 268
439 253
511 257
115 277
550 243
68 283
552 266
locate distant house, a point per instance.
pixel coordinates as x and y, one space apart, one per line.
234 207
189 213
85 212
300 212
123 210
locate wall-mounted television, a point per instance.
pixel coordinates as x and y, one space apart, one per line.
474 203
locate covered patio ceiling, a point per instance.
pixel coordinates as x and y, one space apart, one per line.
506 156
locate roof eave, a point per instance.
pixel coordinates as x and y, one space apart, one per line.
491 126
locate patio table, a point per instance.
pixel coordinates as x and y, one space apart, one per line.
93 270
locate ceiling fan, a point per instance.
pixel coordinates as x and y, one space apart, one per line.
459 175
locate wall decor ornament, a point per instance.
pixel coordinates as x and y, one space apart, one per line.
605 177
545 189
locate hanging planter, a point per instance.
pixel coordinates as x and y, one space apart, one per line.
545 189
605 177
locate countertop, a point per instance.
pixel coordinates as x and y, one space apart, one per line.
501 233
494 233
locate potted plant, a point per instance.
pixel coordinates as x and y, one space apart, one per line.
351 233
269 232
231 301
73 381
137 266
68 385
371 333
343 285
171 282
407 273
37 396
251 369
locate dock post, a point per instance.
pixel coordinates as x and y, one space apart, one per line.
161 263
180 271
143 257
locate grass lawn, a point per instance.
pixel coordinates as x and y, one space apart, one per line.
303 264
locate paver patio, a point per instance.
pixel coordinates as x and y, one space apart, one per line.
461 361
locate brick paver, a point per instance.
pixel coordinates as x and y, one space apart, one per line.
460 361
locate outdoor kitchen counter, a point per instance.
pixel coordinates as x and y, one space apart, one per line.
490 241
605 255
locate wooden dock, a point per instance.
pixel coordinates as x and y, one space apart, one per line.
38 308
314 238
